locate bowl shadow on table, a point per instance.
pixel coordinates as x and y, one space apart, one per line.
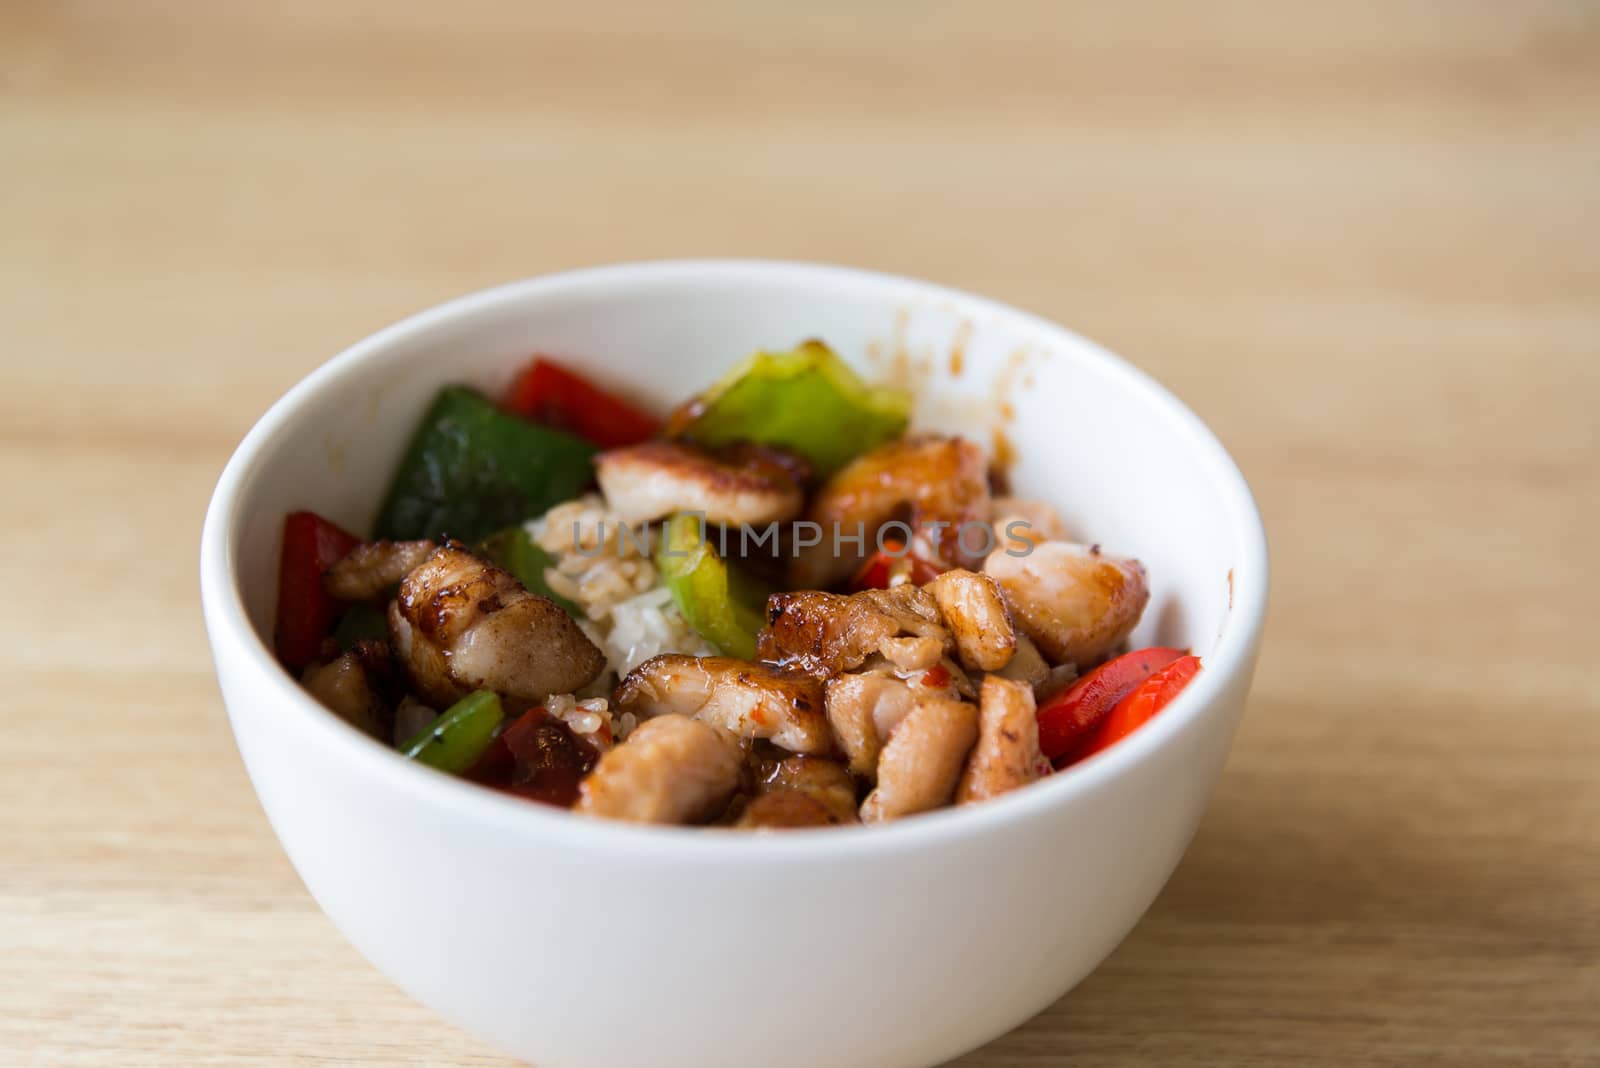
1292 907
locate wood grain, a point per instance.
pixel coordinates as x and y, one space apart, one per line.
1360 239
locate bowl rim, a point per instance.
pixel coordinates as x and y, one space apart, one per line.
235 642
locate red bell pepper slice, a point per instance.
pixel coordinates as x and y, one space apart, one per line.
881 566
1140 706
306 611
548 393
1071 714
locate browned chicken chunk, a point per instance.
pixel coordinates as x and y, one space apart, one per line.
1020 521
1075 602
782 809
654 479
912 654
461 624
352 685
671 769
927 478
1027 665
827 782
912 608
798 791
750 700
922 760
826 633
863 710
979 619
821 633
1006 755
371 569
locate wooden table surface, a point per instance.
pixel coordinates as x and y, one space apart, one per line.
1360 239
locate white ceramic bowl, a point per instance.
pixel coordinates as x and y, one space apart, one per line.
571 942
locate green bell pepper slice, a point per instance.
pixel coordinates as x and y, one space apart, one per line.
514 550
472 469
807 401
458 738
724 605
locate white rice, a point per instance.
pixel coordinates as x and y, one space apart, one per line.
589 719
628 611
608 569
649 625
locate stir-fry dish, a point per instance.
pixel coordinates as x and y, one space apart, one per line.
776 608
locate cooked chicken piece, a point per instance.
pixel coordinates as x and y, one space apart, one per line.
1056 679
671 769
1010 536
372 568
782 809
912 608
1027 666
1075 602
1043 521
351 686
914 660
863 709
945 678
657 478
980 621
912 654
929 478
797 791
768 458
822 633
750 700
826 633
1006 755
460 625
922 759
826 782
